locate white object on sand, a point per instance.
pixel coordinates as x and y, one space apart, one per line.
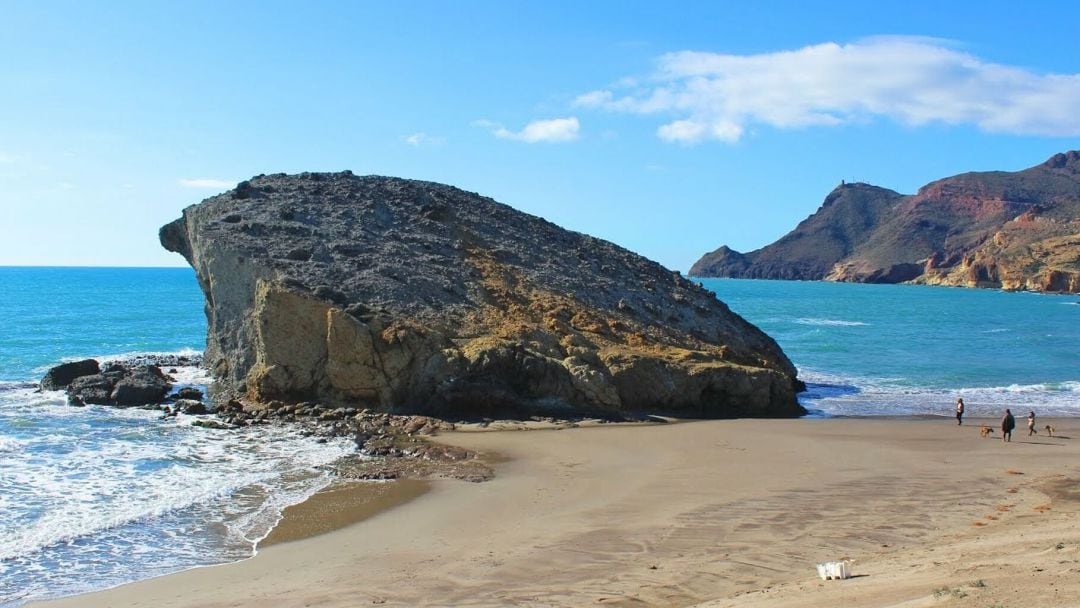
833 570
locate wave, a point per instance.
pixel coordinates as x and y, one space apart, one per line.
829 322
98 496
10 444
116 511
850 396
129 357
15 385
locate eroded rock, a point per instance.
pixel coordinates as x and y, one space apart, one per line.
61 376
419 298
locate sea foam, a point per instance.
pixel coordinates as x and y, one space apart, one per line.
866 396
829 322
109 495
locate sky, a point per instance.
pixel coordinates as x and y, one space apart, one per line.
669 128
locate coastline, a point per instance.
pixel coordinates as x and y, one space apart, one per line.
724 513
341 504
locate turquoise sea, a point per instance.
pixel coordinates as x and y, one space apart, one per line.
93 497
912 350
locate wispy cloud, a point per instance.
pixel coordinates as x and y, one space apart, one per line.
553 130
6 159
206 183
423 139
911 80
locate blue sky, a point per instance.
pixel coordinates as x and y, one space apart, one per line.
668 128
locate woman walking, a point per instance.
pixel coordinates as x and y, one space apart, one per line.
1008 423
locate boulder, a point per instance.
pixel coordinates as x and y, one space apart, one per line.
140 386
419 298
190 407
212 424
94 389
189 392
60 376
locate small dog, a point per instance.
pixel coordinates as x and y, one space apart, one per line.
986 431
1049 430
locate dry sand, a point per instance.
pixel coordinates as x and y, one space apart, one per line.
718 513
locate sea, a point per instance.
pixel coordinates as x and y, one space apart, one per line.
94 497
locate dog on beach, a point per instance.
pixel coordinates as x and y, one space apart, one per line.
1049 430
986 431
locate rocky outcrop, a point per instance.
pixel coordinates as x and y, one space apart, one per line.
121 384
62 375
415 297
994 229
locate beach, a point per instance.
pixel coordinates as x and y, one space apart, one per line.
715 513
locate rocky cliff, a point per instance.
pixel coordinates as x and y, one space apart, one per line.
1011 230
416 297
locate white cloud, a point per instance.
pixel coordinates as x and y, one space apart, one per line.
549 131
6 159
911 80
207 183
422 139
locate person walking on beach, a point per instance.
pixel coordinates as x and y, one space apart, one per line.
1031 423
960 410
1008 423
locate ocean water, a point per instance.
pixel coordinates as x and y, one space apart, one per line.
93 497
912 350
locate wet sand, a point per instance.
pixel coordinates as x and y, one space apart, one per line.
717 513
341 504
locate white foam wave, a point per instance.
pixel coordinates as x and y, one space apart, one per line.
10 444
844 396
105 358
829 322
183 352
7 387
75 485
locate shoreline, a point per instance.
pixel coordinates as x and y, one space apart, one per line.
341 504
714 512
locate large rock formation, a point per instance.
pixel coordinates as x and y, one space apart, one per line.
416 297
1018 231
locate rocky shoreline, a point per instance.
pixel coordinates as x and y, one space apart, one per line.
388 446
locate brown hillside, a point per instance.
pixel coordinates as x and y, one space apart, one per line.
1011 230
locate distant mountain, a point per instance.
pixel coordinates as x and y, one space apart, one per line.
1011 230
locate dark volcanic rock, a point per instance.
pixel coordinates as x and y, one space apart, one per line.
60 376
141 386
189 392
93 389
416 297
995 229
190 407
118 384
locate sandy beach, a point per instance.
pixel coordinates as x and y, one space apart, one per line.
717 513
